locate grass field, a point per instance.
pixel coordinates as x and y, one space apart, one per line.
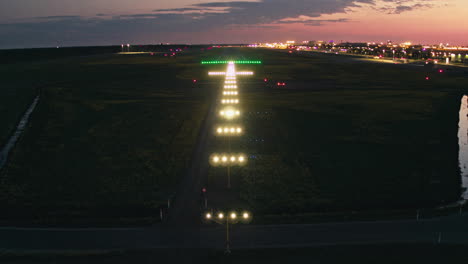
111 138
344 136
113 134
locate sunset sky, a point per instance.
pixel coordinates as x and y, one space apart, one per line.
45 23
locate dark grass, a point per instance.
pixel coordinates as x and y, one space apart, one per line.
386 253
344 136
111 138
115 132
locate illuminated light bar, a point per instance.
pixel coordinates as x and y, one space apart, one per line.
230 87
228 159
229 131
229 93
216 73
230 82
230 78
232 62
230 113
244 73
230 101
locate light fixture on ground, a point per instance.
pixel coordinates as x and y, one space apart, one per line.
230 93
229 113
228 160
228 219
244 73
230 101
229 131
216 73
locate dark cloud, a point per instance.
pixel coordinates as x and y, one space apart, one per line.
313 22
184 9
401 6
58 17
163 24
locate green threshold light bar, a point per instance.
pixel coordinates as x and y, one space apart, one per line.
236 62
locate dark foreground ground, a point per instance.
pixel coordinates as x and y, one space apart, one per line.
114 135
389 253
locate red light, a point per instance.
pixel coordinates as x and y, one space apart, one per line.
194 81
265 80
279 84
165 55
441 71
427 78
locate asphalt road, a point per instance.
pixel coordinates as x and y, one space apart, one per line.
453 229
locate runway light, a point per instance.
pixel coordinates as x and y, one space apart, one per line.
244 73
229 113
216 73
230 101
229 131
233 216
229 160
216 159
232 62
208 216
245 215
220 215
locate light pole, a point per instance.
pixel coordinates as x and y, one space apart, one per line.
228 160
230 219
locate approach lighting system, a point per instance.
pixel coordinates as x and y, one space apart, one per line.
229 113
228 159
216 73
235 62
244 73
230 101
229 131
